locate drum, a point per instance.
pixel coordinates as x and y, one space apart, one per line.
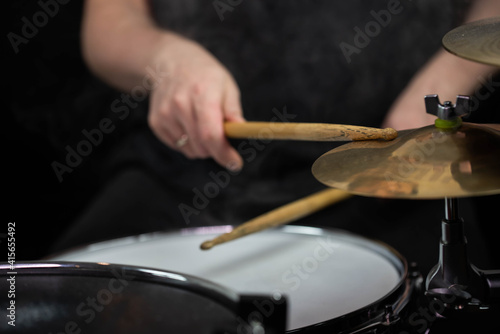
332 280
58 297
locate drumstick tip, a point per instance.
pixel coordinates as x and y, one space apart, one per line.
390 133
207 245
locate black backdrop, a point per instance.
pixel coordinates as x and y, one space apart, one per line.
45 74
44 111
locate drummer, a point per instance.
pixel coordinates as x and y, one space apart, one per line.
205 63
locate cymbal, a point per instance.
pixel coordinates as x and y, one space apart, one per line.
478 41
424 163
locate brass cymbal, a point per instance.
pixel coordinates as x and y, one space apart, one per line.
478 41
424 163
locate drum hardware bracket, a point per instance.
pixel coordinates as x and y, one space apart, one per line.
262 314
392 318
454 280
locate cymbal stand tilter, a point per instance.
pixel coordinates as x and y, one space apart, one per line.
459 290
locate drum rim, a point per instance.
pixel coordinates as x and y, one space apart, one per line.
208 289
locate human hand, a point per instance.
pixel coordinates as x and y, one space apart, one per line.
189 107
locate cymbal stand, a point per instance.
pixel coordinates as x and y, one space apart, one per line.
459 287
456 289
454 278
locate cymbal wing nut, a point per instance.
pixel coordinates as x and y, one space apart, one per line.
448 111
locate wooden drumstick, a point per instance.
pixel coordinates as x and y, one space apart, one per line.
306 131
282 215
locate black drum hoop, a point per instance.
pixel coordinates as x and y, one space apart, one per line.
225 296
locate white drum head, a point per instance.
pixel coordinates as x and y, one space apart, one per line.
323 273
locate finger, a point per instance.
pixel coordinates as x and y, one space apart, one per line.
210 118
232 112
166 127
157 111
173 135
182 141
185 115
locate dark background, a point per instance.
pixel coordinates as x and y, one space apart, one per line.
42 109
46 108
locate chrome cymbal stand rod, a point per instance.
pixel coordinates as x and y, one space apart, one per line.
451 209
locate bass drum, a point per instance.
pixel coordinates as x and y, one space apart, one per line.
333 281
